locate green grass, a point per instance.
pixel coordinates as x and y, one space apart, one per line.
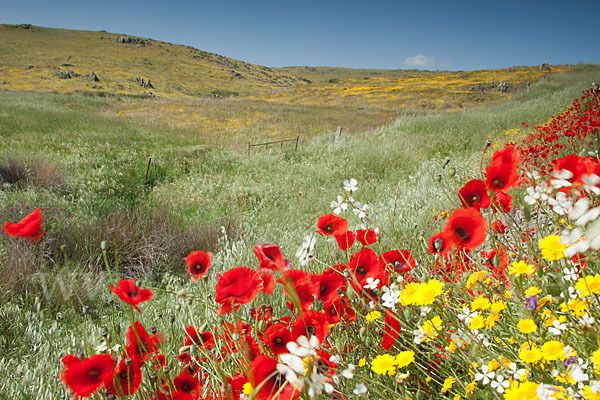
274 196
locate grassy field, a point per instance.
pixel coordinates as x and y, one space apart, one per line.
205 99
86 165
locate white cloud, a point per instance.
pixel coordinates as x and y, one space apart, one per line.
419 61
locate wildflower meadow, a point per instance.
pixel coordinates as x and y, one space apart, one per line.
499 300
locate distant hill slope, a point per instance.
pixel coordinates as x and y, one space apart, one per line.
60 60
71 61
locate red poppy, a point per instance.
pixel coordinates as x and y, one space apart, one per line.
29 227
345 240
130 293
502 202
577 165
328 284
235 287
392 330
507 156
270 257
474 194
366 236
466 228
497 261
331 225
312 323
198 263
159 361
205 340
126 380
334 310
186 383
293 277
401 260
499 227
440 243
268 282
277 338
85 377
263 373
140 344
364 264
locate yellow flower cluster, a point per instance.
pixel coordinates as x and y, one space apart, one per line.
385 364
421 294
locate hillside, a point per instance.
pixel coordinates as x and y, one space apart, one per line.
59 60
62 61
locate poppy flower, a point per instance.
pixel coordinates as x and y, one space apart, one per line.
277 338
198 263
364 264
328 284
140 344
294 277
126 380
440 243
270 257
331 225
466 228
578 166
334 310
501 177
130 293
345 240
312 323
474 194
235 287
401 260
273 384
499 226
366 236
268 282
502 202
497 262
186 383
85 377
29 227
205 340
508 156
392 330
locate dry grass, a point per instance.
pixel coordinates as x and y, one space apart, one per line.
31 170
140 244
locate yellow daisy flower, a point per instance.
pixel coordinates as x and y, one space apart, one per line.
521 268
552 248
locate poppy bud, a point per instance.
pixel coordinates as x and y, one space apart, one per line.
488 143
178 307
172 318
128 361
438 177
451 171
85 309
446 162
103 245
166 369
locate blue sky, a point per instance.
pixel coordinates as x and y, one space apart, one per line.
426 34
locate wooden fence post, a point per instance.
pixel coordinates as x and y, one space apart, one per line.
148 167
248 149
297 138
